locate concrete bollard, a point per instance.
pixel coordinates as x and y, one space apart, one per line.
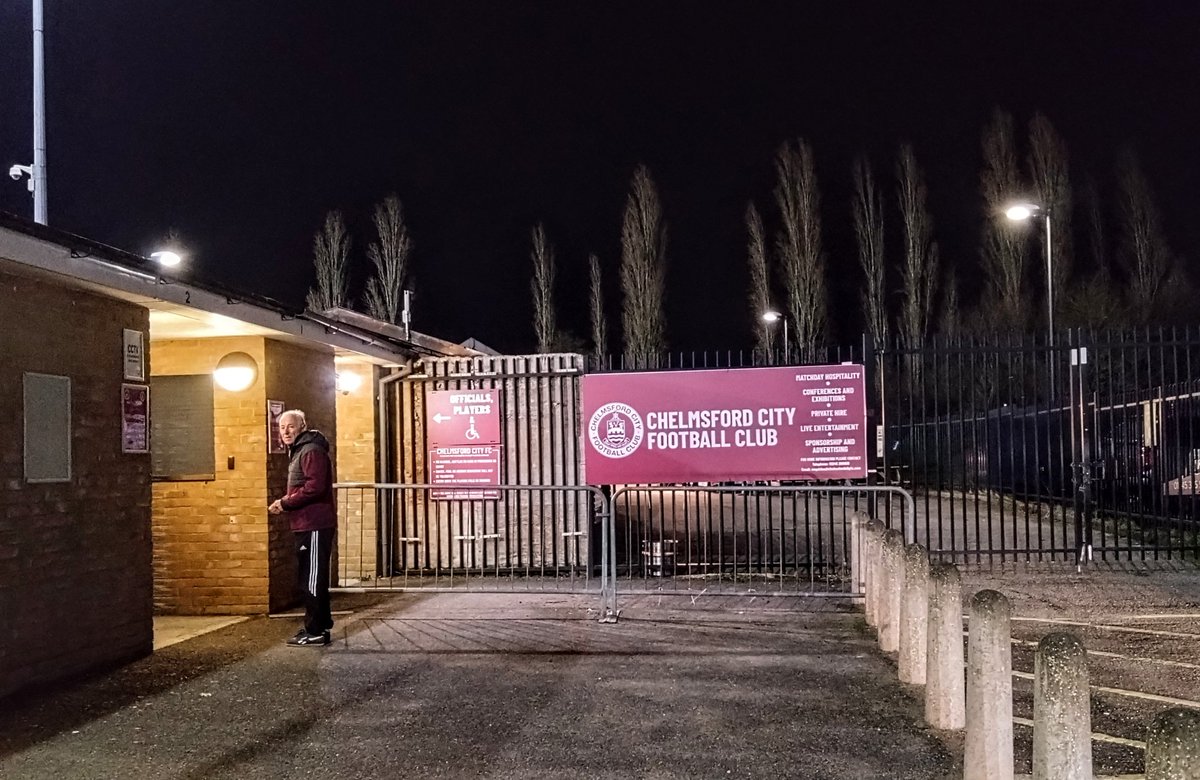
914 615
855 554
1173 746
988 754
1062 712
873 537
945 686
892 582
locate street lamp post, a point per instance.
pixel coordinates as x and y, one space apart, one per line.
39 116
1020 213
773 316
37 171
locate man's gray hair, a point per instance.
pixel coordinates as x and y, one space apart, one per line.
296 413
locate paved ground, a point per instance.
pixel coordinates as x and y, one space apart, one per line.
1141 627
451 685
497 686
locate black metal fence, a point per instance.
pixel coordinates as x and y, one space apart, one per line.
1082 448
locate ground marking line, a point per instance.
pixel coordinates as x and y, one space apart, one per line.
1131 694
1106 627
1163 616
1104 654
1098 737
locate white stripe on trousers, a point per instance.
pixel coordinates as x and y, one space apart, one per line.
313 558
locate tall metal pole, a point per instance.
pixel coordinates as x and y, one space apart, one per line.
1049 281
39 116
785 341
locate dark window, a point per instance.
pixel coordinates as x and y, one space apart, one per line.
181 428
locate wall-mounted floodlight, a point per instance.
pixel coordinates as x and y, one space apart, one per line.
236 372
165 257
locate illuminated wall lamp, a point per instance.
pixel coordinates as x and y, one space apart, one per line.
236 371
347 382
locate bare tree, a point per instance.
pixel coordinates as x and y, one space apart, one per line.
1004 244
331 248
643 270
760 284
1094 213
799 244
1144 254
542 286
599 323
951 317
868 229
920 271
1094 300
385 290
1048 170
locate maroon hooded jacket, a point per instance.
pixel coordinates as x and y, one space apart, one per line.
309 499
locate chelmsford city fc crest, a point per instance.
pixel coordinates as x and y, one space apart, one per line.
615 430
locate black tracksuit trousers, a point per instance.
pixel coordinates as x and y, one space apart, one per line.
313 552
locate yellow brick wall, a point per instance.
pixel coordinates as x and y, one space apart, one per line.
211 538
357 462
216 550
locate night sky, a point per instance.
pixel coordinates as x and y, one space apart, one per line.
241 124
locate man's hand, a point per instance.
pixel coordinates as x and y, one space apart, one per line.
276 507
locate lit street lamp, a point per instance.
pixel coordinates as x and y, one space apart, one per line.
1019 213
772 316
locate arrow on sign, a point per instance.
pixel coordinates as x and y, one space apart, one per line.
439 417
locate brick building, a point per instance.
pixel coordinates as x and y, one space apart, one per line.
131 484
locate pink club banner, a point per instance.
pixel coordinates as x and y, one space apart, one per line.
795 422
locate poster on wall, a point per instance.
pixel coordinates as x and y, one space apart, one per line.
133 355
135 418
275 445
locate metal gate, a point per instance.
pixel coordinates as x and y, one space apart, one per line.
515 538
762 539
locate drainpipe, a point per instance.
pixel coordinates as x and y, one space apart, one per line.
384 449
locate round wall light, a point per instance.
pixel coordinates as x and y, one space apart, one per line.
347 382
236 371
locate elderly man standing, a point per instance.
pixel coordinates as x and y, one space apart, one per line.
313 518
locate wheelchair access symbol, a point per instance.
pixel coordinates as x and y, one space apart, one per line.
456 418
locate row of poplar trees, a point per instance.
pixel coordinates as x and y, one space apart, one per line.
1128 276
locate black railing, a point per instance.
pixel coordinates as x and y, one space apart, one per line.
1028 450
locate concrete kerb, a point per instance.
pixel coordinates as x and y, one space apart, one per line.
914 615
1173 746
988 752
892 582
945 697
1062 714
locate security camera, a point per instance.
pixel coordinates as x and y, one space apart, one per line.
15 172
